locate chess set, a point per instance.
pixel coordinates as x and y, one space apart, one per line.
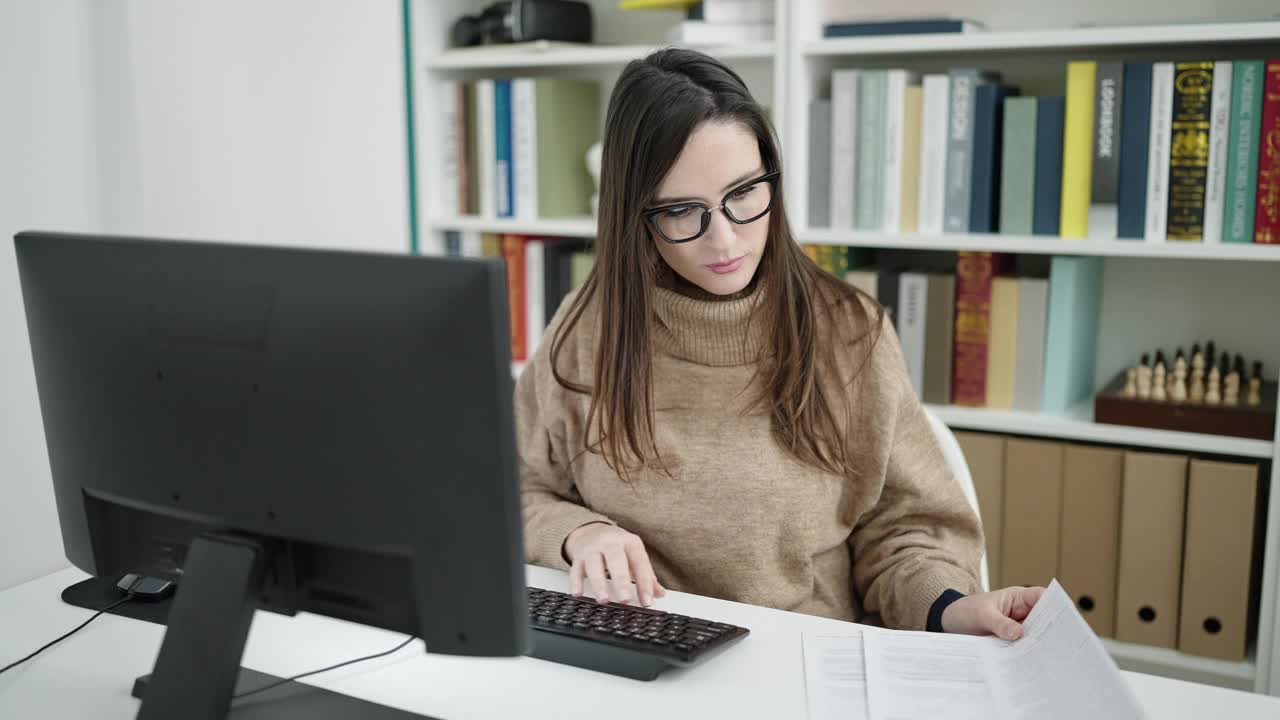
1206 392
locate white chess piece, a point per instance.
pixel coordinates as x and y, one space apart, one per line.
1231 389
1144 382
1178 390
1130 383
1159 389
1197 378
1255 391
1212 395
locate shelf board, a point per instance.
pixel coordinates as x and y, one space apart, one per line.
552 54
1078 424
1041 40
1163 661
559 227
1041 244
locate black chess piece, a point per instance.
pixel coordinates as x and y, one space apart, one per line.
1160 358
1146 360
1239 368
1257 370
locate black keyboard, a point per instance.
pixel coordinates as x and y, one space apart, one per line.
626 640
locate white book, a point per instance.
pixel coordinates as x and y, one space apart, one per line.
486 149
1215 189
700 32
471 245
451 183
737 11
934 114
524 148
895 144
844 122
535 299
913 295
1158 152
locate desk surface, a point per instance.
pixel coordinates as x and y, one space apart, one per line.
91 673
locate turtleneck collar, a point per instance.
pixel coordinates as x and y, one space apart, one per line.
694 325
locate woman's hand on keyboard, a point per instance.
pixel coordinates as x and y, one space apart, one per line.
601 552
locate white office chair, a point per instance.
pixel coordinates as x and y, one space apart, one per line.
955 460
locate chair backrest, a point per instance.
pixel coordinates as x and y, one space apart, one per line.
955 460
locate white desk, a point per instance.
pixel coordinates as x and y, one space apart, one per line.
91 673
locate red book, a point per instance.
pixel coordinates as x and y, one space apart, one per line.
513 253
1266 228
974 273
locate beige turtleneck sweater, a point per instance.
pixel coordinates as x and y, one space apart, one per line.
742 519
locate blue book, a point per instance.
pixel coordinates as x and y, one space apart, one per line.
1047 205
453 243
919 26
1071 335
1135 140
505 177
984 196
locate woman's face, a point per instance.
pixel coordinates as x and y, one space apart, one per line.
717 158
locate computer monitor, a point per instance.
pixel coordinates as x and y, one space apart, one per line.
287 429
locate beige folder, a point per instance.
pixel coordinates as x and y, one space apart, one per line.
1155 493
1217 561
1032 511
1092 483
984 454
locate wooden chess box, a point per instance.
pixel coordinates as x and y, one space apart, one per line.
1242 420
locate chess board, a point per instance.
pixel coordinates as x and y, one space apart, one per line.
1242 420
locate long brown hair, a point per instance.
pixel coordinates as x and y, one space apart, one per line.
656 104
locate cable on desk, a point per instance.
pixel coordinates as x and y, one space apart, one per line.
309 673
108 608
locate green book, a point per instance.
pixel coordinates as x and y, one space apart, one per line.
873 89
567 117
1242 151
1018 166
580 264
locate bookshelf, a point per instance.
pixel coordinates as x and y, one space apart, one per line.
795 68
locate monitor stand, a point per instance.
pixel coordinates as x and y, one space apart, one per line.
198 670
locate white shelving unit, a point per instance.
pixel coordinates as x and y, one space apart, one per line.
794 69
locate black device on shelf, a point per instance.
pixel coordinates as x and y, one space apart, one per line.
523 21
285 429
634 642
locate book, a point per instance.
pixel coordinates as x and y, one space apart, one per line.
535 280
693 33
1158 152
524 149
888 283
819 163
894 148
939 323
913 102
1108 124
513 254
1046 208
975 272
984 192
484 129
558 282
959 173
1242 151
470 151
1002 349
1189 149
567 117
1266 224
901 26
1071 333
867 280
1077 149
913 298
580 267
1131 194
452 243
737 11
451 140
1215 188
503 171
1018 165
844 146
933 154
1033 307
868 196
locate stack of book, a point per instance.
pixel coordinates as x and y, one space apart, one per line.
725 22
516 148
1186 151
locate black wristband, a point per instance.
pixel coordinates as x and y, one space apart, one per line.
934 624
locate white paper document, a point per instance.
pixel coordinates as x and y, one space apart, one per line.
1057 669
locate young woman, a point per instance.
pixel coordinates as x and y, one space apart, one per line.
713 413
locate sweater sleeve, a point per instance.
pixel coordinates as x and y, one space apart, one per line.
921 537
551 505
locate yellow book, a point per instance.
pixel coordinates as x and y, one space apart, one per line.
656 4
1077 149
911 157
1002 352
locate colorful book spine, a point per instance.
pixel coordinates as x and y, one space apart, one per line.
896 82
1077 149
1158 152
567 121
956 203
984 194
1215 188
1046 211
1002 351
1071 337
1189 149
940 318
513 254
975 272
1242 151
913 294
868 197
505 178
1108 123
844 146
819 163
912 119
934 128
1033 303
1018 165
486 148
524 148
1266 228
1135 139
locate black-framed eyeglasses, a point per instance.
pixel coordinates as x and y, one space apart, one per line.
682 222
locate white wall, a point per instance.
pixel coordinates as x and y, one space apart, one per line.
278 123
